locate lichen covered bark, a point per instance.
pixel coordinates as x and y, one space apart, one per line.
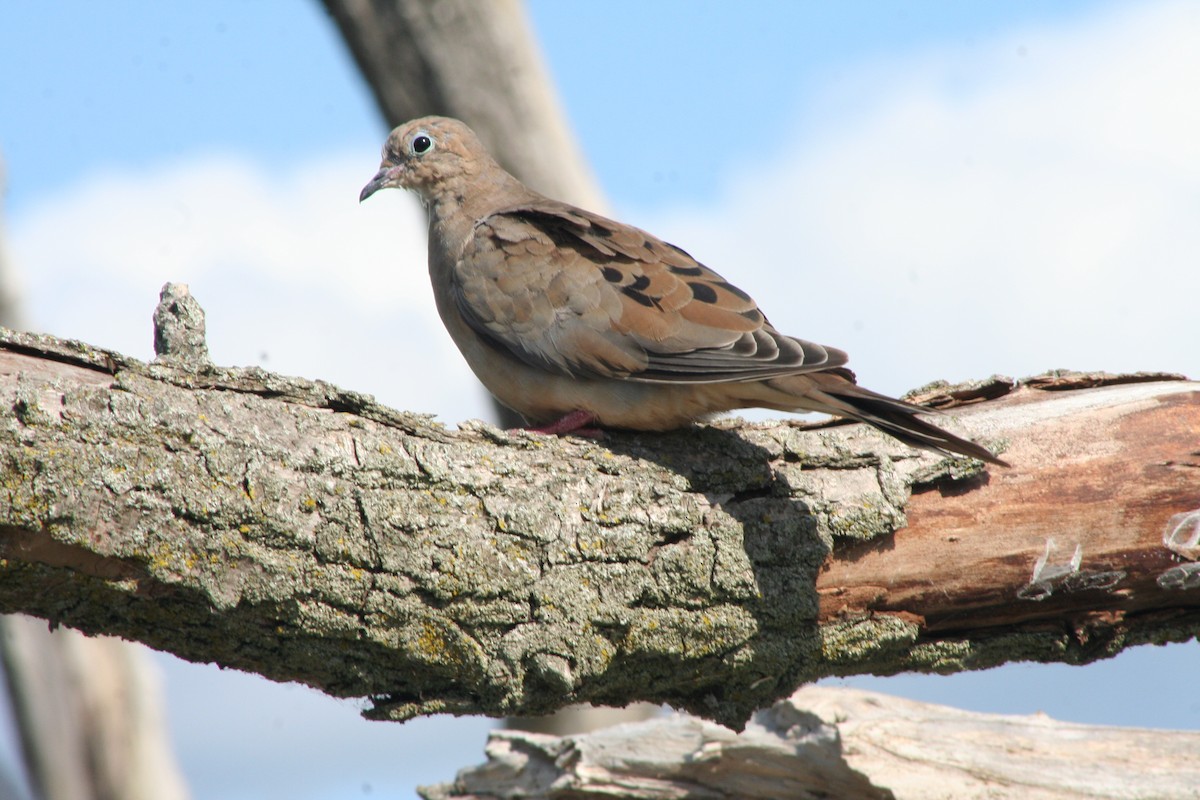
287 528
306 533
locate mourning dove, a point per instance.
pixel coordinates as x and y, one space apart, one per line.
575 321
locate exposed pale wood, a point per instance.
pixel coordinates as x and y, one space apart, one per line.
823 743
1090 527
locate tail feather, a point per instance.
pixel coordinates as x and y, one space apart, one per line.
896 418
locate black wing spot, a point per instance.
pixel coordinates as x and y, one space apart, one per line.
640 283
703 292
691 272
639 297
612 274
729 287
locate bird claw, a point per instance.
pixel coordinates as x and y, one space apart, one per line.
577 423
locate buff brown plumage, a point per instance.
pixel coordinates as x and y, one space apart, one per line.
574 320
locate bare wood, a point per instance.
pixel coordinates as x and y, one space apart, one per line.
478 62
824 742
1100 522
306 533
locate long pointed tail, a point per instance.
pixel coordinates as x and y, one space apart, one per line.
894 417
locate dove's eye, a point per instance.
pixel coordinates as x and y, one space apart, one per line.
421 144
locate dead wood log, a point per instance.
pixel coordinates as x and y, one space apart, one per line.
823 742
306 533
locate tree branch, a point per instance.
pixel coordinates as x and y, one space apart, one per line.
476 61
303 532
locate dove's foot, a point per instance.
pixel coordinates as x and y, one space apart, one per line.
577 423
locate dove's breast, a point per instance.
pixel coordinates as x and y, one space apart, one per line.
542 396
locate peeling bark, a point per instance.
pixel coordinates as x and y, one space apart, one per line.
306 533
1089 545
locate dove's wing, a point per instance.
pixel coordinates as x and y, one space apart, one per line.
578 294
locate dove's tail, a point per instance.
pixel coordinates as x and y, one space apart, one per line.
841 396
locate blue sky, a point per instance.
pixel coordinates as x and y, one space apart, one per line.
943 189
646 85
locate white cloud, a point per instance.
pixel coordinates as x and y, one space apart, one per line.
293 273
200 216
1026 203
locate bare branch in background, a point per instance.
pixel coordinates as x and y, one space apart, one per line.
478 62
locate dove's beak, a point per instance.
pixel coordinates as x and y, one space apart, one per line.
389 175
378 182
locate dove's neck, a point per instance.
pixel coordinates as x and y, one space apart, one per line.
457 205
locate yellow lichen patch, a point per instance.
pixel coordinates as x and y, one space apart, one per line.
691 634
592 545
438 645
430 641
165 558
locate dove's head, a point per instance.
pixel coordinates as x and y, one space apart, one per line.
429 155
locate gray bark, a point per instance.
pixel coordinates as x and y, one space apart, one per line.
306 533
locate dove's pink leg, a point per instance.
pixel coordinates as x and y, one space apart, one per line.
578 423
